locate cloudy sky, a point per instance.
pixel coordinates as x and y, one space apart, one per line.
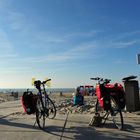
68 41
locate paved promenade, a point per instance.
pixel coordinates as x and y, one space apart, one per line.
14 124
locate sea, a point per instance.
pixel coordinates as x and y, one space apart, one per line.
34 90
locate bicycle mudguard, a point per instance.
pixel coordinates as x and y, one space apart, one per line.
103 97
99 96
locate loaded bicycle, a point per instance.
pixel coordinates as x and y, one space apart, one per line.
45 107
109 104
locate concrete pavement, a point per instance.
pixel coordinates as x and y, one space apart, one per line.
14 124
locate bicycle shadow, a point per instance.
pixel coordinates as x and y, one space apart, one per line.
76 132
6 122
126 127
131 128
107 132
112 126
54 130
90 133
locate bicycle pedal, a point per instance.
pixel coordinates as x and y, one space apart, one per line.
113 113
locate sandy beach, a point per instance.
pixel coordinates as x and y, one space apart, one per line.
14 122
61 101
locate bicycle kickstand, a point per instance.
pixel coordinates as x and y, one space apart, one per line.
34 123
105 118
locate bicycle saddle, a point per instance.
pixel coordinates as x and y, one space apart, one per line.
37 83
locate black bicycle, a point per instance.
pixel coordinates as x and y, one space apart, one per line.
45 107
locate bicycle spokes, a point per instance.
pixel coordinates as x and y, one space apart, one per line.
40 115
51 108
117 117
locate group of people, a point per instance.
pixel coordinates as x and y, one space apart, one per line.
86 91
78 97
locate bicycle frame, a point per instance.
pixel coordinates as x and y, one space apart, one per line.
38 85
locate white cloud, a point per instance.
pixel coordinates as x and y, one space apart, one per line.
90 33
48 58
48 37
78 52
16 20
126 44
119 61
4 4
123 40
56 37
6 47
128 34
14 70
8 56
10 17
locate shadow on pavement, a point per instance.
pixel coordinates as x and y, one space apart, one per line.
15 124
108 132
76 132
83 133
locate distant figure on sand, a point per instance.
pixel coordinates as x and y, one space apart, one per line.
60 93
78 99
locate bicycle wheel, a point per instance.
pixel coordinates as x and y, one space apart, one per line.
100 110
116 114
50 108
40 114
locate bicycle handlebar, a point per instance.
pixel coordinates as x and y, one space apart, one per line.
97 78
44 82
38 83
105 81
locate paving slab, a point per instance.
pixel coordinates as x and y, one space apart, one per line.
77 128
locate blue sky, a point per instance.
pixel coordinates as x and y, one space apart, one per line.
68 41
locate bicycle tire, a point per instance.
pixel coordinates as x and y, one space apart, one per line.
51 109
116 115
40 114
